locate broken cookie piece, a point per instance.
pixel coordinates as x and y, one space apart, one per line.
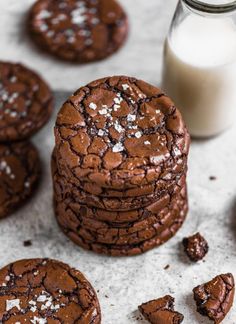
215 298
196 247
161 311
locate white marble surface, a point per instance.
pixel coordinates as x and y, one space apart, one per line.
124 283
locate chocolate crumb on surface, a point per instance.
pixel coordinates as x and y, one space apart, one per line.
212 178
161 311
196 247
215 298
27 243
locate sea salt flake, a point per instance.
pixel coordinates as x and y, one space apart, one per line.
43 27
84 32
13 114
118 100
118 127
5 96
101 132
158 111
62 17
167 176
160 158
8 170
103 111
44 14
78 16
62 5
55 307
12 304
27 184
147 143
125 87
41 298
88 41
71 39
33 309
38 320
32 302
118 148
13 79
138 134
116 107
94 21
177 151
131 117
93 106
50 33
8 278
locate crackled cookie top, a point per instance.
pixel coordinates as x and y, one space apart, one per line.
79 30
119 124
215 298
41 291
25 102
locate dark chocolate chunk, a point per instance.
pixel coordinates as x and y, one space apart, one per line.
46 291
82 31
215 298
19 173
196 247
26 102
161 311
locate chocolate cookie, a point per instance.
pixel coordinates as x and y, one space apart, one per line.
196 247
46 291
120 133
88 209
64 189
215 298
82 31
129 249
19 172
161 311
25 102
119 234
150 221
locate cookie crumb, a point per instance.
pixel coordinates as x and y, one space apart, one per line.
161 311
27 243
212 178
215 298
196 247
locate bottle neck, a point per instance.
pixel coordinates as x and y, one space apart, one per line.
211 7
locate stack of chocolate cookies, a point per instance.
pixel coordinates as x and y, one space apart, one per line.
119 167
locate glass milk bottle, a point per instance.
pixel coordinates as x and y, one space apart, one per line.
199 71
